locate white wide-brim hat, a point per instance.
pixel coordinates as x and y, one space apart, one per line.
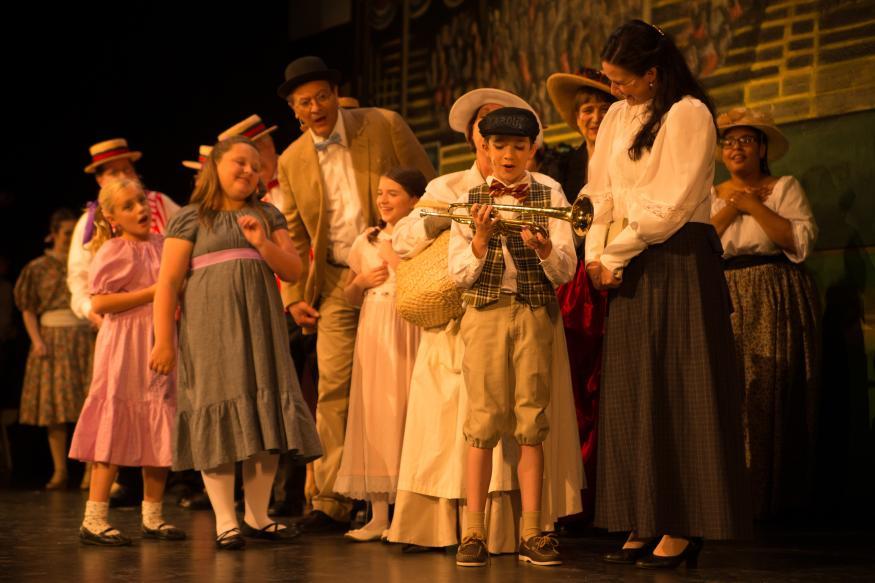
467 105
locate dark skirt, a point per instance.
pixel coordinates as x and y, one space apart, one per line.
778 346
670 434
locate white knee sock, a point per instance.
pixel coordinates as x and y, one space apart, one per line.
258 474
219 483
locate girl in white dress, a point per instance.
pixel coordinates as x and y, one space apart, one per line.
385 350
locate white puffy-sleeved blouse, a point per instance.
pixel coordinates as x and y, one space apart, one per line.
658 194
745 236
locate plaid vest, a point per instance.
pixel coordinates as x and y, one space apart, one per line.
533 287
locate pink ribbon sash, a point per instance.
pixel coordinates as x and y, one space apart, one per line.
208 259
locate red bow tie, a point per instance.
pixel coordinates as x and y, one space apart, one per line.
519 192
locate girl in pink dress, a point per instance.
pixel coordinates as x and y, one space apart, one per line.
385 349
127 419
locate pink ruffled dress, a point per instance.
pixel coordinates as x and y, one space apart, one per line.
128 416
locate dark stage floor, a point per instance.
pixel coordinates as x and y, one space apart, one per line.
38 542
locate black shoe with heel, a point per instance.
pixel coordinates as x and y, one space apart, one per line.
630 555
690 556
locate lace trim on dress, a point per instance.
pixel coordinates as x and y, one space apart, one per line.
600 198
666 212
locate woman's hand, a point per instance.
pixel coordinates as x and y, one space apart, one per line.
252 230
374 277
747 200
594 271
40 350
607 279
163 359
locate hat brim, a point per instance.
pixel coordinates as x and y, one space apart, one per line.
778 143
467 105
330 75
134 156
563 87
193 165
266 132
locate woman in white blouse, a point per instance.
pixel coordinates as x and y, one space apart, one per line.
671 471
767 230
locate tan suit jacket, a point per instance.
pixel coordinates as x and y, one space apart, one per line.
379 140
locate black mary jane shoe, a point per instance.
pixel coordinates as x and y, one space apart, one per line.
690 555
271 532
163 532
629 556
230 540
103 539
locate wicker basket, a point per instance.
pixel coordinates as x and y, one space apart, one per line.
425 295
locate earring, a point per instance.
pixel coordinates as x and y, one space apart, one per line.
650 84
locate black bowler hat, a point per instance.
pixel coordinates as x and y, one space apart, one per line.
510 121
306 69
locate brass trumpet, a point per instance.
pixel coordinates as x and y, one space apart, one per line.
579 215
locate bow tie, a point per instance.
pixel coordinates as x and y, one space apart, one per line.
332 139
519 192
272 184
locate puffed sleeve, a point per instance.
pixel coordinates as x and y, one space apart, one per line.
354 259
598 186
676 180
184 224
275 219
793 205
25 292
113 267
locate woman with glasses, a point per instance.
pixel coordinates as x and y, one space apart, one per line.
767 230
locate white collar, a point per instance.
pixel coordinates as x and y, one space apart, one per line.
339 129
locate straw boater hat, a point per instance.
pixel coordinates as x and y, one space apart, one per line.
744 117
348 102
110 150
563 88
252 127
203 153
467 105
304 70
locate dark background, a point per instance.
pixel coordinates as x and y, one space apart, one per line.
165 76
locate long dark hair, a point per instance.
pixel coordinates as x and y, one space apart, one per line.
637 47
411 180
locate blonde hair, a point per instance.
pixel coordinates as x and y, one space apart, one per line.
103 230
208 193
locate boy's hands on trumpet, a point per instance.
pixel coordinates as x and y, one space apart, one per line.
485 224
538 242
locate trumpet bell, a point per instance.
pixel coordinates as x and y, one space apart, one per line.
581 216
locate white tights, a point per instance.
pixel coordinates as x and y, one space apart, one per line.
258 474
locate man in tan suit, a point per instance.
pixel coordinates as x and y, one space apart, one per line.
329 176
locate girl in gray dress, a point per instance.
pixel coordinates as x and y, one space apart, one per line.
238 394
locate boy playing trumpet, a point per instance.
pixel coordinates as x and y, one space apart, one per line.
507 328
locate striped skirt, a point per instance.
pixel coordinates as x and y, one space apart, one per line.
778 348
670 433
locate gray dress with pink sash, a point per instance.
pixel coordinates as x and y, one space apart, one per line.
238 394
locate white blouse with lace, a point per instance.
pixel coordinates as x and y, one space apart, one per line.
658 194
745 236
